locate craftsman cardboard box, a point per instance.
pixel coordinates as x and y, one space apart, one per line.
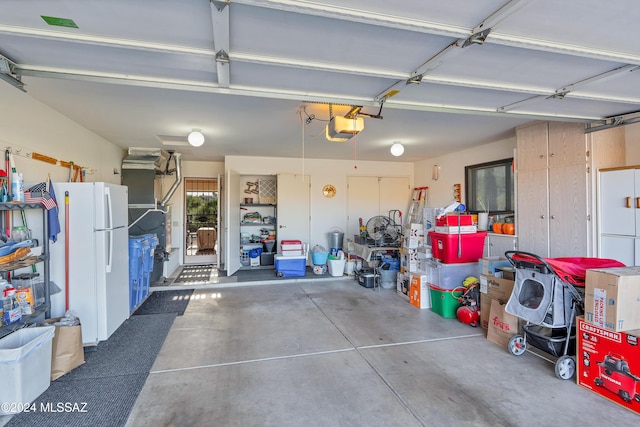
492 288
489 265
608 363
612 298
419 291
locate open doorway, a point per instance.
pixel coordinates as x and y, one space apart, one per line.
201 221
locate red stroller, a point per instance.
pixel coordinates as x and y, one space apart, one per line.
548 295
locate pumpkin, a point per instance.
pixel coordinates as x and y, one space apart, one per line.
509 228
497 227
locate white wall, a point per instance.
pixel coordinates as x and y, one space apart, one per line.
27 125
452 169
326 213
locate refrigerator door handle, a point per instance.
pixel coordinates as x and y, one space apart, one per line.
109 250
109 206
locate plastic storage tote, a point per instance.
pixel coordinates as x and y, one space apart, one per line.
445 247
449 276
25 365
444 302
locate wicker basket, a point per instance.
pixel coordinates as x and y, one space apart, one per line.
267 192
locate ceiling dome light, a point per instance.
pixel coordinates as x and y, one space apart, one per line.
397 149
196 138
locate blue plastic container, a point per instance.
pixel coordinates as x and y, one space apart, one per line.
319 258
137 248
393 263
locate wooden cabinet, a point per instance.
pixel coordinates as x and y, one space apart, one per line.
555 183
498 244
620 215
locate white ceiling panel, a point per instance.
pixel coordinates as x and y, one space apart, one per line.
272 33
134 70
599 25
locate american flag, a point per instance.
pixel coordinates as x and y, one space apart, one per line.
38 194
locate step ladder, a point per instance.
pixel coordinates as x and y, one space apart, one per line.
416 206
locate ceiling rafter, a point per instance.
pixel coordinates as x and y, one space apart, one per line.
220 23
294 95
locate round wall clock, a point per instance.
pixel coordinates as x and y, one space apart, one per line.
328 191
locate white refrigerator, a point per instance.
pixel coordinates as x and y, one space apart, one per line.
98 260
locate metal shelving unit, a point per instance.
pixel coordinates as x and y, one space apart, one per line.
29 261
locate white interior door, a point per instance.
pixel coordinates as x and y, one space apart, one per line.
232 222
294 208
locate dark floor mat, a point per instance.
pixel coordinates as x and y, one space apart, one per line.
102 391
160 302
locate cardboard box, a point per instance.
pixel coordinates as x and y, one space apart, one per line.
489 265
409 260
403 283
492 288
414 236
608 363
419 291
502 325
429 218
612 298
412 242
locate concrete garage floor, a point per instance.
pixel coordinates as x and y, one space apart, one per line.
333 353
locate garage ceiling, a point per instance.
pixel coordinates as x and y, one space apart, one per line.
257 76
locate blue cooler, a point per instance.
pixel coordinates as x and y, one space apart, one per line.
291 266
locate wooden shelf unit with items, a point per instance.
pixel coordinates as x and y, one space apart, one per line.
22 258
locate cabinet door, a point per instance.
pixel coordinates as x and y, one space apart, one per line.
532 146
617 204
623 249
498 245
568 216
532 223
567 144
294 208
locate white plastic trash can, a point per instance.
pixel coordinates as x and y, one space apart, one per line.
25 366
336 266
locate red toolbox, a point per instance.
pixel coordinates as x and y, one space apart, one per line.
445 246
452 219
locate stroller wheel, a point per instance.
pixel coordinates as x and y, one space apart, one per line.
517 345
565 367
